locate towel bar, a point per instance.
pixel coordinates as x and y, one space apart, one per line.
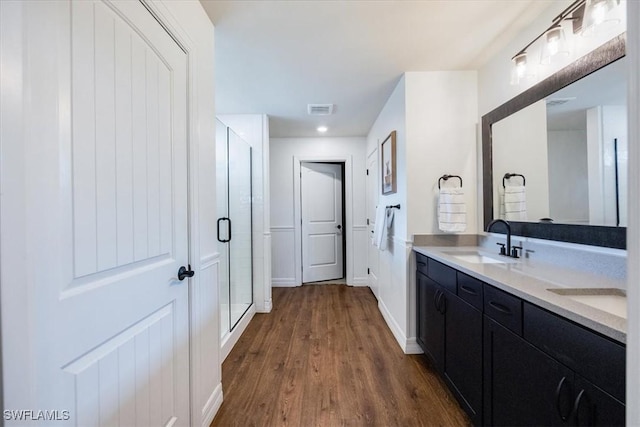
446 177
393 206
511 175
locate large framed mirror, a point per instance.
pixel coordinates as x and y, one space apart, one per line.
561 146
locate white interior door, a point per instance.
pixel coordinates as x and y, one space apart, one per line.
373 188
322 228
107 223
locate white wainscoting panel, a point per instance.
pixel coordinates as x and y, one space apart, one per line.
283 256
360 247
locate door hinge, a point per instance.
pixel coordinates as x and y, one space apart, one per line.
367 221
368 271
367 171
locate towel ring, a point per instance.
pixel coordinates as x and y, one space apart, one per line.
446 177
511 175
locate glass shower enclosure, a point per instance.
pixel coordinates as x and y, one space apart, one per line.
234 226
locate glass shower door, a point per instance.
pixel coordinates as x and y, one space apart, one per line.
240 247
234 200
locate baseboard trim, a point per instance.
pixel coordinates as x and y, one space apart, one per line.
392 324
267 306
284 283
212 406
230 340
360 281
413 347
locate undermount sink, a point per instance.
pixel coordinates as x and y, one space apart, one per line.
475 257
611 300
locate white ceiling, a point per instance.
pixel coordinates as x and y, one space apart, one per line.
275 57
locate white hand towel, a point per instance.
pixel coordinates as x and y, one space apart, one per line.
452 210
379 225
515 203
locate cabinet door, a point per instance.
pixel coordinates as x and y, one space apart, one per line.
430 320
421 309
523 386
463 354
594 407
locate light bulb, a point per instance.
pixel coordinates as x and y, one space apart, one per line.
554 44
597 17
519 69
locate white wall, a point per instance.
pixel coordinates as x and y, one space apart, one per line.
520 146
569 191
285 157
633 232
435 116
392 290
441 118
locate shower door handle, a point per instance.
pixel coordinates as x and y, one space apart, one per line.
218 228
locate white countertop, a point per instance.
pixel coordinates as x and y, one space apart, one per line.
530 280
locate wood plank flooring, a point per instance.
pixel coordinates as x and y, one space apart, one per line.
325 357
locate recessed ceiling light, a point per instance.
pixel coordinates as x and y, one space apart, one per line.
322 129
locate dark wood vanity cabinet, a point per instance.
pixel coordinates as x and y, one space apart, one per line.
449 330
430 320
509 362
522 385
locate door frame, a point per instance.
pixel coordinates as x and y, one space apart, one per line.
341 165
14 293
347 180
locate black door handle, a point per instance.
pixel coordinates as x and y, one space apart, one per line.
436 297
468 290
499 307
582 397
339 227
183 272
558 404
218 228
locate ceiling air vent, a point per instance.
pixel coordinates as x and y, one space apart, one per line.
320 109
552 102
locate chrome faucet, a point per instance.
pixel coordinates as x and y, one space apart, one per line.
508 251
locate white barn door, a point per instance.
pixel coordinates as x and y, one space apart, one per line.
322 228
107 222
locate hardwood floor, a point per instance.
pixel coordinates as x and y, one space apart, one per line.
325 357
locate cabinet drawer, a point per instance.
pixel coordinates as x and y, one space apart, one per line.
470 290
594 357
443 275
421 264
503 308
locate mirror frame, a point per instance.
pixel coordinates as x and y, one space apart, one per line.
611 237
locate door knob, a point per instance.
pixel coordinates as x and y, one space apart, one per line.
183 272
339 227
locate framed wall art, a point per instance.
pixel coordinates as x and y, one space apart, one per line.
388 160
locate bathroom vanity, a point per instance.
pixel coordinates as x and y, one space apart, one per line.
519 342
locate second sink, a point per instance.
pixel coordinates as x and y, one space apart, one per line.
611 300
475 257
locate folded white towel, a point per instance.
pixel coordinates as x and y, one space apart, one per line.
452 210
515 203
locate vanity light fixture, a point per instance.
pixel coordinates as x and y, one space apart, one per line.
555 44
322 129
595 16
586 15
519 67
